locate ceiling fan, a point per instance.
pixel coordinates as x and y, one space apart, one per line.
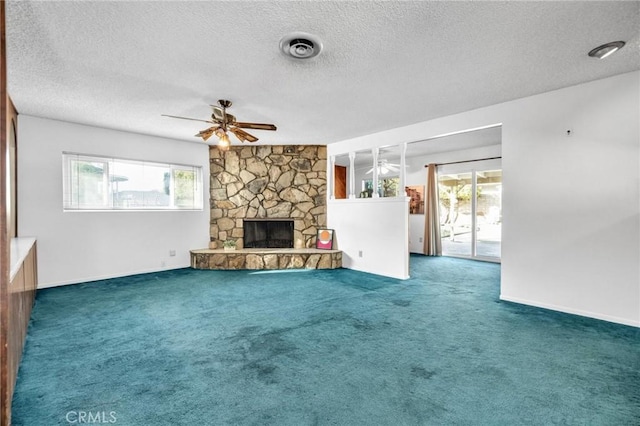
384 167
223 122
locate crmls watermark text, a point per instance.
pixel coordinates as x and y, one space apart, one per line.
88 417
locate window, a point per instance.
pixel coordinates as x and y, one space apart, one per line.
387 187
99 183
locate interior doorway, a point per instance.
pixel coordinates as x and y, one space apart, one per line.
340 185
469 169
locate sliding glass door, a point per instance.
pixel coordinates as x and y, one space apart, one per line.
454 191
470 212
488 213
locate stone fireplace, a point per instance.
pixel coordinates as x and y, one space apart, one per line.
268 182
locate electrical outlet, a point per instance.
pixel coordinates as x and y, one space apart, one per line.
360 253
172 252
420 240
163 264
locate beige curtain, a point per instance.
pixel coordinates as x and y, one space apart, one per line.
432 242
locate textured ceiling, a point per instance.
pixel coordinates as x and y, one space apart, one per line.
121 65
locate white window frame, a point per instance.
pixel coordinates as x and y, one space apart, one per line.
71 203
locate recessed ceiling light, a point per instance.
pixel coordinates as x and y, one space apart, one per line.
300 45
605 50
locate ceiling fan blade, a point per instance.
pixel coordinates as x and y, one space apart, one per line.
217 112
222 122
186 118
257 126
206 134
242 135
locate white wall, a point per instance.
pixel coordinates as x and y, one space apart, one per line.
82 246
382 236
571 205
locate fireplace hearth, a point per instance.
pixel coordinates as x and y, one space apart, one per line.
268 233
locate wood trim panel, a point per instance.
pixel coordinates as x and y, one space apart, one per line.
5 401
12 159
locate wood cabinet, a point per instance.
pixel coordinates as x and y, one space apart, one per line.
21 294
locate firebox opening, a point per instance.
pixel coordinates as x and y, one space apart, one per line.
268 233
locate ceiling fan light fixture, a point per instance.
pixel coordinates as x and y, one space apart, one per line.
299 45
223 142
607 49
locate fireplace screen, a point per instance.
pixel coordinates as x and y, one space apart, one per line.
262 233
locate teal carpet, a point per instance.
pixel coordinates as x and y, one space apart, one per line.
340 347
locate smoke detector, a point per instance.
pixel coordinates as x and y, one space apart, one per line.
300 45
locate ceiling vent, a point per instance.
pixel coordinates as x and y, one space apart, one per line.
300 45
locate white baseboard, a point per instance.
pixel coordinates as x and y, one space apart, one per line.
595 315
107 277
368 271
